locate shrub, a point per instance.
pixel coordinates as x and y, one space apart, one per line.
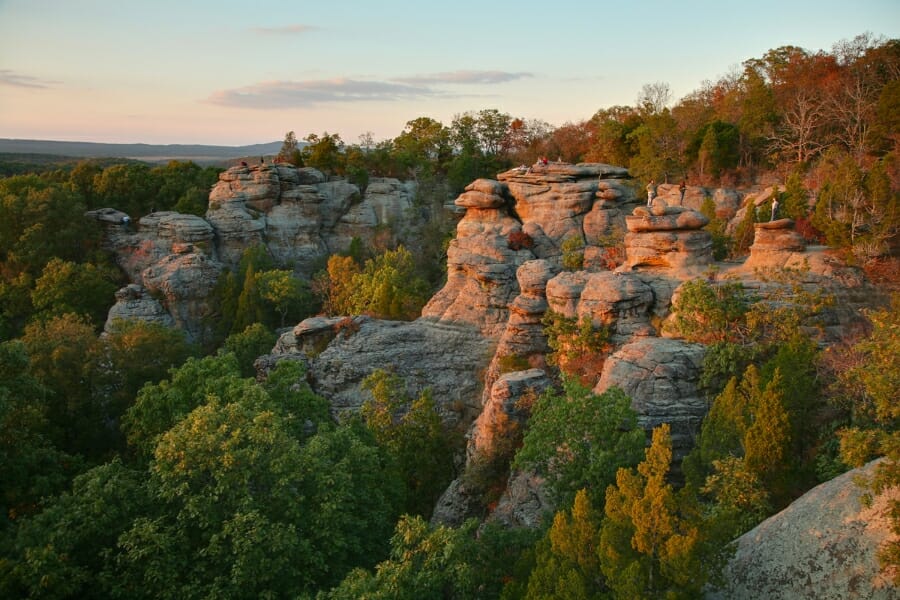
519 239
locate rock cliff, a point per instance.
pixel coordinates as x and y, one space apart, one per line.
297 214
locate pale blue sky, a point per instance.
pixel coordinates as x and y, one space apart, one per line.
230 72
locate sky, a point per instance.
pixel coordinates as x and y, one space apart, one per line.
233 73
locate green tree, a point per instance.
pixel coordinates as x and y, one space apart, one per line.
412 434
250 308
134 353
710 312
567 559
250 344
286 293
290 152
62 357
324 153
131 188
870 387
577 439
160 406
67 287
388 287
64 552
249 510
652 541
31 468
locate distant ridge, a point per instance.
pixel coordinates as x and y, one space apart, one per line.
152 152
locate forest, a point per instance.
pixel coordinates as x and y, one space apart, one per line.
136 464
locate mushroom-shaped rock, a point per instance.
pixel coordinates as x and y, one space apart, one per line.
672 219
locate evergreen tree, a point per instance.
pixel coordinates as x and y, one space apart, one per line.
652 541
568 559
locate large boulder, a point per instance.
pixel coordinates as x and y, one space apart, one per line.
822 547
661 377
134 303
426 354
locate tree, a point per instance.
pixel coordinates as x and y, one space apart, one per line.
567 561
388 287
62 356
248 509
31 468
412 434
64 551
289 152
285 292
652 541
577 439
324 152
160 406
67 287
132 354
871 385
250 344
131 188
334 287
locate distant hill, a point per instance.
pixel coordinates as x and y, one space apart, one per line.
147 152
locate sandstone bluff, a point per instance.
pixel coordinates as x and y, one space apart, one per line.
495 295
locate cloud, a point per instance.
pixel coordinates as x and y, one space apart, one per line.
13 79
295 29
465 77
294 94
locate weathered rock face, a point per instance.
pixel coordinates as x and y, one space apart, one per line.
185 281
508 407
668 237
169 256
776 245
297 214
425 354
660 376
134 303
822 547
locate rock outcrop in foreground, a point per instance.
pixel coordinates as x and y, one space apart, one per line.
822 547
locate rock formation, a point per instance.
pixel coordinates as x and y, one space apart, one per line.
298 215
505 269
134 303
823 547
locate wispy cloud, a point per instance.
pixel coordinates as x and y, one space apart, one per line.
465 77
292 94
297 28
13 79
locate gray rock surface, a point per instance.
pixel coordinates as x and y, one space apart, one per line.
821 547
660 376
134 303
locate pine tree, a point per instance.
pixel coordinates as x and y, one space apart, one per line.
652 543
567 562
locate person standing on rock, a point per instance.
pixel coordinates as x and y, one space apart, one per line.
681 187
774 209
651 192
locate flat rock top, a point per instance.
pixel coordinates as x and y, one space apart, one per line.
776 224
558 172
